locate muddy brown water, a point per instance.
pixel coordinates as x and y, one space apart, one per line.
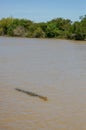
55 69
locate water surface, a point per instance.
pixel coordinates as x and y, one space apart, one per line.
52 68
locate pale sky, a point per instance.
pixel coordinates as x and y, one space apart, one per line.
43 10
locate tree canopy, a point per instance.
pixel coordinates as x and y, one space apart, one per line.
56 28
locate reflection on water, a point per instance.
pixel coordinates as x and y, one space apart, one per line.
53 68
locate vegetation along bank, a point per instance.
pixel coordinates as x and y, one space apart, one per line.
56 28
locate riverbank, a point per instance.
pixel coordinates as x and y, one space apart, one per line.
55 28
49 39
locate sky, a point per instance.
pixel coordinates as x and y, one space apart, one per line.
43 10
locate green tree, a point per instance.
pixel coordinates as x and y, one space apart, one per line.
52 31
38 33
4 24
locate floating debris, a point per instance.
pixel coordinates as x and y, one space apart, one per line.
32 94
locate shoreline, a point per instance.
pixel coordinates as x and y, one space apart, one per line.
42 38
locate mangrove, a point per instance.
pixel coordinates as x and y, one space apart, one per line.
55 28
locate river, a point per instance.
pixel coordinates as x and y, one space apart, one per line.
52 68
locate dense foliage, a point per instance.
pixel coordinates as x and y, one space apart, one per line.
56 28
